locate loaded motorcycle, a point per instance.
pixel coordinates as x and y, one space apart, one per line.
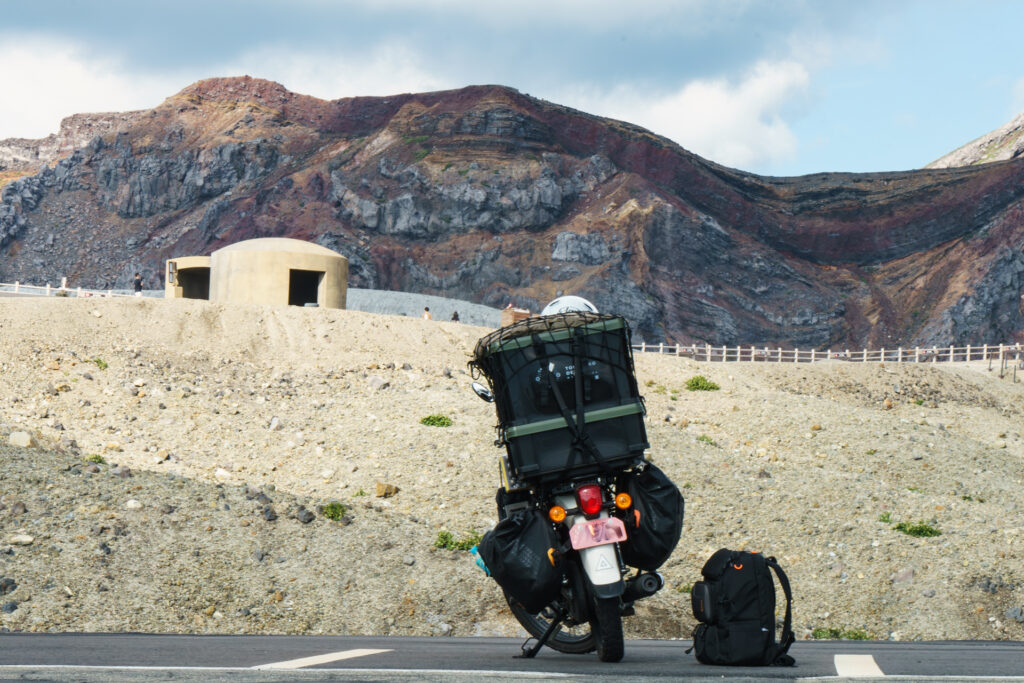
579 504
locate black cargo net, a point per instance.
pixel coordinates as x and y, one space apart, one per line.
571 366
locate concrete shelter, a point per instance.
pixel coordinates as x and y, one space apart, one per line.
272 270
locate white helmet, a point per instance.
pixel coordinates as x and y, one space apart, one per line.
569 304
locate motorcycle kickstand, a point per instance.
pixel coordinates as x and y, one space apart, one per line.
531 652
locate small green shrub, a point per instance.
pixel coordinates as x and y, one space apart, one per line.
871 451
417 140
437 421
920 530
701 383
919 402
885 517
333 511
447 166
704 438
421 153
685 588
100 363
96 458
841 634
446 541
359 493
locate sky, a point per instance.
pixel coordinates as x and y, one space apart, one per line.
778 88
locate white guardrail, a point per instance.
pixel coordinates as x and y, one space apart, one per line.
63 290
1006 355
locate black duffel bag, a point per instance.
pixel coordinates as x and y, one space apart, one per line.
655 521
520 554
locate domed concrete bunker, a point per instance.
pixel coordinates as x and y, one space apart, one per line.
272 270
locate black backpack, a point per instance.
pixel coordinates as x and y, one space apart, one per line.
654 524
521 554
735 604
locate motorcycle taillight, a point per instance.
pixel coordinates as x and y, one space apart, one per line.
589 497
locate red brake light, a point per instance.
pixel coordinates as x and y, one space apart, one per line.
590 499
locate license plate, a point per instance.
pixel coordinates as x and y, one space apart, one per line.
597 532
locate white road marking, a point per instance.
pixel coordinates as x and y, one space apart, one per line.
857 666
320 659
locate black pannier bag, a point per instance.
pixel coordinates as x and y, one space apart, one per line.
655 522
735 604
520 552
565 393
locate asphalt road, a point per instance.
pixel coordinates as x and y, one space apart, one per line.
138 657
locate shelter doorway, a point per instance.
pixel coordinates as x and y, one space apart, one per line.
304 286
194 282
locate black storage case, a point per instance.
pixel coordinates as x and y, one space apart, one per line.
566 395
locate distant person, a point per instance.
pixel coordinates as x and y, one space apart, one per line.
426 313
138 284
455 317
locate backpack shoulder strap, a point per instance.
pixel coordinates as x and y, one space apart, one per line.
787 639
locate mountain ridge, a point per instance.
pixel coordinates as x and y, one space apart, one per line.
494 196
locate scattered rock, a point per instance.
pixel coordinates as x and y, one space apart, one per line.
121 471
903 576
7 585
409 560
133 505
9 607
275 424
17 509
378 383
21 539
304 515
269 514
386 490
21 440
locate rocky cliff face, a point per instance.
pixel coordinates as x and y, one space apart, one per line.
30 156
489 195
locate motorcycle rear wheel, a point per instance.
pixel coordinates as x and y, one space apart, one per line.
606 627
572 640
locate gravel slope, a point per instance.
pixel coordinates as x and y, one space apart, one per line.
219 418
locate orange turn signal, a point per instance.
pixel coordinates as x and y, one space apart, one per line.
623 501
556 514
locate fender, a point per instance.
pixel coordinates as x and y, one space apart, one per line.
601 565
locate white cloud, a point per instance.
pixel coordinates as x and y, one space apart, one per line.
388 69
44 79
736 124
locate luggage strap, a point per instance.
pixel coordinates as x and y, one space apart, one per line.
582 441
787 639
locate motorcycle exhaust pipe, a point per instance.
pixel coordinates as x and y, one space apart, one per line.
642 586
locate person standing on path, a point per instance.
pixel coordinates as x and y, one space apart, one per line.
426 313
138 284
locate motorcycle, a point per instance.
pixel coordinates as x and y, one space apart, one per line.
589 516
